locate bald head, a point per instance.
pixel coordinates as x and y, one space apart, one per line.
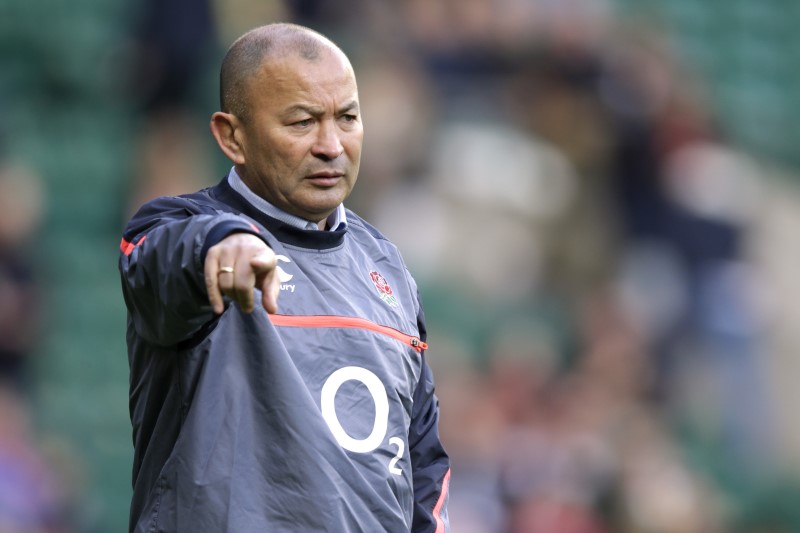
249 52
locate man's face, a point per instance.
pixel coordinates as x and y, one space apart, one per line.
302 138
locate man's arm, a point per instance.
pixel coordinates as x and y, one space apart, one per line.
429 462
169 252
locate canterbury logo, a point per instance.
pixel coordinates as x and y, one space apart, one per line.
283 276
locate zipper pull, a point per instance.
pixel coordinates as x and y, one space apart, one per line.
416 343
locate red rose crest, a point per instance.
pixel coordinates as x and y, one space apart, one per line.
384 290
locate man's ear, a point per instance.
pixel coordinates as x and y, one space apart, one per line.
224 128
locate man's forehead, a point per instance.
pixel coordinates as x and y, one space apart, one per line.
290 89
295 59
299 71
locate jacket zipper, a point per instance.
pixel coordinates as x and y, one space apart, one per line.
332 321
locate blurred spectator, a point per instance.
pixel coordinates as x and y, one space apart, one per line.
233 18
32 497
686 202
22 200
174 39
173 43
399 109
529 189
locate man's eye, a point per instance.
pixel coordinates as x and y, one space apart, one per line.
303 123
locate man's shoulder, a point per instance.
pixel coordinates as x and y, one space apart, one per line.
198 201
359 224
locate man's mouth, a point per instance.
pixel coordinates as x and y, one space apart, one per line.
325 179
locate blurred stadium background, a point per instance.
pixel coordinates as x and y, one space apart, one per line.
599 199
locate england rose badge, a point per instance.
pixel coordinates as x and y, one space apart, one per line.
384 290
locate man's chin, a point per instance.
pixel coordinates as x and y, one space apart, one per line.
321 204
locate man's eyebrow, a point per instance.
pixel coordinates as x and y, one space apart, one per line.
315 111
350 106
297 108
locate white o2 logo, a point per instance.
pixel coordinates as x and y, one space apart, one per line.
378 392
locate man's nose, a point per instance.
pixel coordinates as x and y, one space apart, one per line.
328 145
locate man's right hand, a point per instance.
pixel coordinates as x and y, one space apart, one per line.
237 265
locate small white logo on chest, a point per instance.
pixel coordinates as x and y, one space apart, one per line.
284 276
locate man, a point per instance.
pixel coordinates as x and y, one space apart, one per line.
317 414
